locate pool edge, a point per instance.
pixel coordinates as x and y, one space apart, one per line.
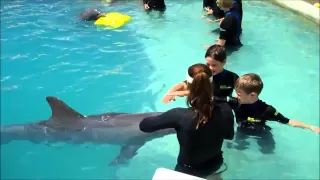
302 8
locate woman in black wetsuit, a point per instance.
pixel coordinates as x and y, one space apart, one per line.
201 128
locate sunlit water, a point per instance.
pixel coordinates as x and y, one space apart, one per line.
45 51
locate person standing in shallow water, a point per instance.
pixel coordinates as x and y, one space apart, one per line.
223 79
154 5
230 26
252 115
201 128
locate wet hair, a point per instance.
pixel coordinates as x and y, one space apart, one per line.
217 53
225 4
91 14
200 92
249 83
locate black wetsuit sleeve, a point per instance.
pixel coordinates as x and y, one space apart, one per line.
220 99
163 121
145 1
235 77
227 122
231 101
274 115
225 27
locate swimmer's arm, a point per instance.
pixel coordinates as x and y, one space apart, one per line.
178 87
177 90
179 93
296 123
282 119
163 121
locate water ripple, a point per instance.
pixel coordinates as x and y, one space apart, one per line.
9 88
5 78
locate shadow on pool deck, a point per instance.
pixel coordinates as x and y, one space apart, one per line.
312 1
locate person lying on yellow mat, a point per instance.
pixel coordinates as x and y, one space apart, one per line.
91 14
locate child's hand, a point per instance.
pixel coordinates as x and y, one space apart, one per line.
213 21
167 98
210 21
315 129
209 10
220 20
146 6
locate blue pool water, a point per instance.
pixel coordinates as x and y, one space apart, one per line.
45 51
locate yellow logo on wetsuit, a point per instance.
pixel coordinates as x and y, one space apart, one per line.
225 87
276 113
250 119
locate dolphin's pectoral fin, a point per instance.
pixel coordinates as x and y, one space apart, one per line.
127 152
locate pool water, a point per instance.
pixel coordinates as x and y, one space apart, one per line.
46 51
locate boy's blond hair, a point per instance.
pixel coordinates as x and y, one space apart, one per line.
249 83
225 3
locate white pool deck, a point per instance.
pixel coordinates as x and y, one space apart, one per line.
301 7
167 174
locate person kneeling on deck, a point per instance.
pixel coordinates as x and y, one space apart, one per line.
156 5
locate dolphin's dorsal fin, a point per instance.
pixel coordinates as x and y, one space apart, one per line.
62 114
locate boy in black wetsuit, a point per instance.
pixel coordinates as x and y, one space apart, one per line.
252 114
156 5
237 7
230 25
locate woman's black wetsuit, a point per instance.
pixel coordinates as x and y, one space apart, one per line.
200 149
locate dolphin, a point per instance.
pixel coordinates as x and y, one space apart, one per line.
68 125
